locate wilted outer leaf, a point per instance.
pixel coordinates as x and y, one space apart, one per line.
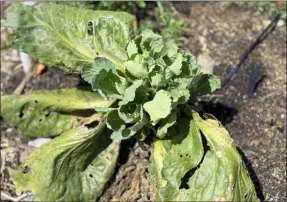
49 113
222 167
67 37
72 167
220 177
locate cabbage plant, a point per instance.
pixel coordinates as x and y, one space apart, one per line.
140 86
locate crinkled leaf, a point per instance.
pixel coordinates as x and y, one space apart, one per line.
141 50
68 37
170 49
204 84
159 75
173 157
90 72
109 83
49 113
130 92
137 67
149 43
165 124
175 67
180 95
114 122
157 78
189 66
122 131
132 49
130 113
72 167
179 90
103 77
126 133
159 107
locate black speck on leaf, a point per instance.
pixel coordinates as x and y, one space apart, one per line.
90 28
21 114
26 169
47 114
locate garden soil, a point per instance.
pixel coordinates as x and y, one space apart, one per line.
217 34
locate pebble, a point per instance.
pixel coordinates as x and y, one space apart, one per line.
280 23
202 40
9 130
266 22
206 63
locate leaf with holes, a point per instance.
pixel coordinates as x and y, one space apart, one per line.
222 167
141 88
72 167
49 113
68 37
173 157
180 171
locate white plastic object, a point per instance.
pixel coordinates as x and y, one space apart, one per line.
27 62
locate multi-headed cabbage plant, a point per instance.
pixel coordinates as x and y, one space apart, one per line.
140 86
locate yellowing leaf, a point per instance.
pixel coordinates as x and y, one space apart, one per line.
49 113
72 167
222 167
180 171
173 157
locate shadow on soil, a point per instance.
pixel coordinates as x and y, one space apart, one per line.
223 113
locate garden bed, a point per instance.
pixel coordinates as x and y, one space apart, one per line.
257 124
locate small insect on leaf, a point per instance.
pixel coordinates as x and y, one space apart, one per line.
90 28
